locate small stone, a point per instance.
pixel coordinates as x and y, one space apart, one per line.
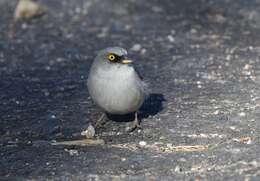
247 67
228 57
46 94
27 9
232 127
177 168
168 145
171 38
136 47
78 10
89 132
143 51
199 84
24 26
162 138
244 139
193 31
173 32
128 129
72 152
216 112
242 114
217 18
157 9
142 143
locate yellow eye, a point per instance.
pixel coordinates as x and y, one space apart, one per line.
111 57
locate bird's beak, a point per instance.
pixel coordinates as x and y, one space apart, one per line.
127 61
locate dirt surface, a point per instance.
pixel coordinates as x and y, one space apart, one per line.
200 57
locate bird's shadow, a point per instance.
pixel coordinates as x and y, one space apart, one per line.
152 106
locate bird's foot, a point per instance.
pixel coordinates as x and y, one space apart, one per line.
136 124
101 121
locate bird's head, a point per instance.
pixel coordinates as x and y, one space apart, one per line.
113 55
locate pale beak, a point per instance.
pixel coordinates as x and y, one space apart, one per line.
127 61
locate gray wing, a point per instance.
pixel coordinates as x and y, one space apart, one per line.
138 73
145 84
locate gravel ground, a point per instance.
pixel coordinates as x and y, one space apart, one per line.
200 57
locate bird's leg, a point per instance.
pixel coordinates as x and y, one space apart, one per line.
136 123
100 121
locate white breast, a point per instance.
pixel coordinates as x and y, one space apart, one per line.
118 90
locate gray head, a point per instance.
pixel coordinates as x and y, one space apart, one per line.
112 56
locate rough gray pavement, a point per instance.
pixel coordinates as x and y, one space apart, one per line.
201 59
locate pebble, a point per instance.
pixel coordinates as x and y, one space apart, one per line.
89 132
193 31
171 38
168 145
72 152
228 57
27 9
232 127
177 168
136 47
142 143
24 26
242 114
143 51
173 32
157 9
216 112
247 67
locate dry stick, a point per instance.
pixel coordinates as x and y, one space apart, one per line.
84 142
134 147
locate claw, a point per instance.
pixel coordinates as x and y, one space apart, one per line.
100 122
136 124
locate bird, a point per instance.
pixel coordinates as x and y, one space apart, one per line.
115 85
